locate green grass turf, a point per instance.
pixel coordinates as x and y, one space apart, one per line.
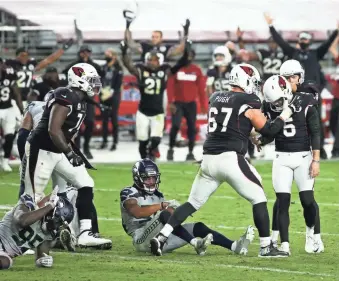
226 212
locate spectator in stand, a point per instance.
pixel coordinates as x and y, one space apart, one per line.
309 58
183 89
334 119
111 96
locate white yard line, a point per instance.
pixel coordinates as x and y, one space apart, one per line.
219 265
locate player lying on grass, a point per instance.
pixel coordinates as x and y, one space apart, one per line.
144 212
27 226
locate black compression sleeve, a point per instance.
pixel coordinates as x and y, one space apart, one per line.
313 126
271 128
266 140
180 63
22 137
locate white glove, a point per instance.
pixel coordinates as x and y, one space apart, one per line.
173 203
45 261
287 111
54 198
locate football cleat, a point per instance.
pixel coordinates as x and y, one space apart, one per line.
285 247
318 247
271 252
156 246
86 239
190 157
244 241
68 240
202 244
310 243
5 165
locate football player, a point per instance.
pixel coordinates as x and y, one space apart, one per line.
49 147
8 113
45 83
145 211
26 66
152 79
232 116
27 226
218 74
144 48
294 158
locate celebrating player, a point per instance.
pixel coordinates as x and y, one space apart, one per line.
49 147
27 226
232 116
152 79
8 114
294 159
144 212
218 74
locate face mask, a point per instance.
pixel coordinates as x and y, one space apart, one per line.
108 59
303 45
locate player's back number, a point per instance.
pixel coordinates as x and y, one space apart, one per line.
224 114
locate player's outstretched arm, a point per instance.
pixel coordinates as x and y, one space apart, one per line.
132 207
182 61
56 120
178 49
325 46
24 217
17 98
127 61
55 56
26 127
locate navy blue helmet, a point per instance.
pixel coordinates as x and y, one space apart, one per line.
61 215
146 175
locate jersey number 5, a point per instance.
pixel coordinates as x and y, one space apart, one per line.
212 123
153 86
289 129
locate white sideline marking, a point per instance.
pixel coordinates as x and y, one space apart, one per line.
178 172
253 268
8 207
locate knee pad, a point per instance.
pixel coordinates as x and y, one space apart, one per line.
284 200
5 261
306 198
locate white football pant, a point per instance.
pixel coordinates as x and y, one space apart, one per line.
145 124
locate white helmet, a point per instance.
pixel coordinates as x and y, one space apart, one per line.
292 67
276 90
246 77
222 50
84 77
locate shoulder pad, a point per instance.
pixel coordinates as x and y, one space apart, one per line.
253 101
63 96
28 201
129 193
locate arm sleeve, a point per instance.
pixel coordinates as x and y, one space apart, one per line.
285 46
272 128
180 63
313 126
323 48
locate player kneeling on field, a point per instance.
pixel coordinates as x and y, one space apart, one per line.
144 212
27 226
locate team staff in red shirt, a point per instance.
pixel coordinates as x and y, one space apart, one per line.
183 89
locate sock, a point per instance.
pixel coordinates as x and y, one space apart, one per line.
234 246
167 230
85 225
261 219
265 241
95 225
193 242
285 245
275 235
317 219
201 230
317 237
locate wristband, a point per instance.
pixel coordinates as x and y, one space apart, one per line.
316 161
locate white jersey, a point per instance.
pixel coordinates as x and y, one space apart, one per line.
16 240
36 109
130 223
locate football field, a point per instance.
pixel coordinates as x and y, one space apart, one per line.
225 212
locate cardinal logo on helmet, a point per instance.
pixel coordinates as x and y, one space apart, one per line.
78 71
249 71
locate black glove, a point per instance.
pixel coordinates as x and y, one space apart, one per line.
74 159
295 104
68 44
186 27
123 47
129 17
